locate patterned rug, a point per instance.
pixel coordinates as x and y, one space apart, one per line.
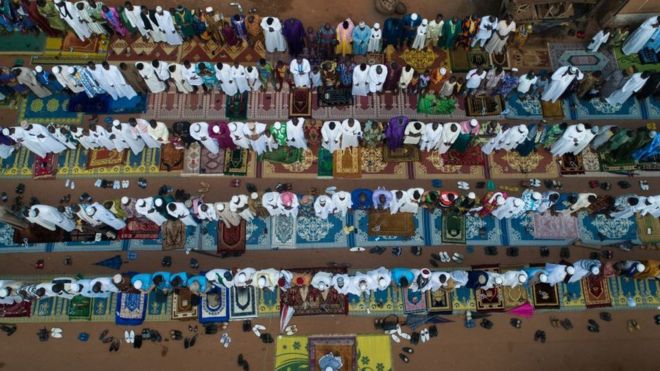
291 353
305 167
16 42
83 163
22 309
171 105
473 156
407 153
550 227
571 164
80 308
139 229
171 159
135 49
523 108
300 103
484 105
453 228
44 167
522 232
52 109
596 292
201 50
490 300
627 61
324 163
347 163
378 107
530 58
651 108
545 296
367 237
554 111
374 166
105 104
243 302
212 163
413 301
381 302
313 232
575 54
237 107
308 301
103 158
432 166
439 302
231 240
191 159
464 60
600 230
648 229
18 164
71 50
369 58
515 296
269 106
421 60
596 109
235 162
131 309
384 223
509 165
214 306
340 346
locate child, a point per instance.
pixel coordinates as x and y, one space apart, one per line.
265 74
315 76
281 75
424 79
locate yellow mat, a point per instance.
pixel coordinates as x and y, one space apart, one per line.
374 352
648 229
291 354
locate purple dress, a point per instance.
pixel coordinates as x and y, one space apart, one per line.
394 133
294 33
238 22
220 132
115 21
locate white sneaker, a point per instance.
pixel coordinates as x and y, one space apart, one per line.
405 336
97 184
127 336
256 331
132 336
445 257
66 183
73 185
56 330
56 335
124 184
356 249
260 327
395 338
116 185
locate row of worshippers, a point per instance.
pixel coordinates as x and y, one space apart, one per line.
357 284
134 135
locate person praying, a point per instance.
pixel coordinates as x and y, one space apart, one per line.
598 40
487 25
375 44
560 81
323 207
636 41
634 84
361 36
502 31
332 135
300 69
274 39
421 35
377 76
200 132
100 214
351 132
361 80
295 134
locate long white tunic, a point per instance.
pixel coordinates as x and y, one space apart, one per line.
166 24
360 81
180 211
375 43
406 76
300 72
270 201
64 139
485 31
49 218
145 207
512 206
420 37
431 137
240 78
450 133
413 132
252 76
559 83
150 77
86 141
180 79
351 131
86 17
323 207
100 78
633 85
496 44
514 137
103 138
118 82
226 79
525 83
191 76
259 144
640 37
200 132
275 41
132 138
135 20
474 79
236 129
376 80
342 201
569 140
100 214
331 133
65 79
40 135
599 39
295 134
71 16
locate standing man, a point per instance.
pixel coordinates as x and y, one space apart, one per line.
300 69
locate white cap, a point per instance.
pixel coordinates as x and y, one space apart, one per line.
514 69
472 195
4 292
158 202
56 69
322 285
261 282
277 125
640 267
210 277
536 195
498 280
499 200
209 9
443 70
425 21
543 277
116 278
381 282
376 25
595 270
38 69
70 70
570 270
474 122
517 202
73 287
362 285
414 16
580 127
362 24
426 273
124 200
159 8
137 284
115 122
216 129
254 195
241 277
522 278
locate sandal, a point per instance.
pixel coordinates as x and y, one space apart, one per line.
404 358
606 316
408 350
566 324
516 323
554 322
104 333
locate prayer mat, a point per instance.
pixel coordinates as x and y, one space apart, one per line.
324 163
571 164
346 163
305 166
103 308
236 108
575 54
596 109
22 309
171 159
463 60
232 240
596 291
545 296
379 302
20 43
51 109
257 234
530 57
453 228
269 302
413 301
271 106
651 106
212 163
374 166
135 49
158 304
191 159
236 162
432 166
174 235
292 353
484 105
102 158
514 296
590 160
340 346
626 61
523 108
313 232
139 229
283 232
214 306
601 230
471 157
196 50
369 58
439 302
38 234
243 303
307 300
570 296
45 167
384 223
374 352
182 305
625 165
552 111
131 309
406 153
648 229
80 308
300 103
70 50
105 104
490 300
501 60
510 165
420 60
551 227
333 97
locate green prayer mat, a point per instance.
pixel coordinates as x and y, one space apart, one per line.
236 109
20 43
626 61
453 228
325 160
236 162
80 307
284 155
432 105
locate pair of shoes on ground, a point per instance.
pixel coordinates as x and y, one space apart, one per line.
463 185
291 330
129 336
56 332
403 356
69 184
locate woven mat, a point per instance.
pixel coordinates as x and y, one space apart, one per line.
510 165
231 240
183 307
383 223
596 291
648 228
171 159
306 300
347 163
101 158
545 296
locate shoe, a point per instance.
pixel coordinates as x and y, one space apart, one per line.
247 325
395 338
623 184
192 341
593 328
414 338
554 322
67 183
396 251
566 324
256 331
457 258
486 323
132 336
267 338
416 250
241 360
408 350
186 343
605 316
437 256
434 263
593 323
433 331
378 250
104 333
73 185
538 335
404 358
97 183
544 252
564 253
357 249
516 323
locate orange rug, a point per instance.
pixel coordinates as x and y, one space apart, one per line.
432 166
374 166
510 165
346 163
552 110
98 158
383 223
596 291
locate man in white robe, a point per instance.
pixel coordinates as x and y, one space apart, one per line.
103 138
439 280
360 284
266 278
641 36
473 80
179 211
150 77
66 80
323 207
100 214
431 136
494 279
409 200
230 218
177 74
321 281
116 80
142 127
420 38
295 134
117 138
223 72
207 212
556 273
158 131
377 76
166 25
254 132
514 278
20 136
252 77
512 206
288 203
351 132
132 14
598 40
84 138
239 204
240 77
407 74
40 135
274 39
513 137
486 27
200 132
413 132
584 268
27 77
628 205
131 136
572 138
61 134
243 277
361 80
560 81
501 35
100 77
70 14
381 277
343 202
270 201
584 199
189 73
85 11
632 85
50 217
525 83
450 133
236 130
101 287
331 134
219 277
300 69
375 40
145 207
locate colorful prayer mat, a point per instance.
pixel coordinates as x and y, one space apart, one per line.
212 163
292 353
139 229
439 302
313 232
597 109
191 159
596 292
510 165
300 103
553 111
575 54
236 162
627 61
214 306
648 229
273 106
571 164
305 167
555 227
232 240
196 50
432 166
283 233
20 43
308 301
236 108
347 163
131 309
80 308
269 302
16 310
51 109
374 352
570 296
529 57
340 346
257 234
482 105
515 296
453 228
501 60
374 166
102 158
413 301
70 50
171 159
489 300
105 104
324 163
135 49
463 60
243 302
523 108
384 223
545 296
422 60
472 156
406 153
44 167
601 230
380 302
183 307
369 58
284 155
